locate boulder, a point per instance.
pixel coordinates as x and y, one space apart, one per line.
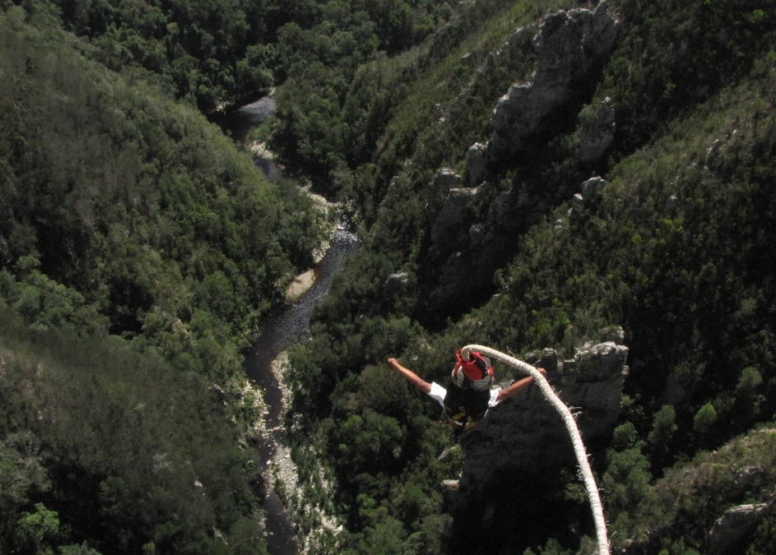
396 284
438 190
598 134
593 186
569 45
476 164
525 429
733 526
453 220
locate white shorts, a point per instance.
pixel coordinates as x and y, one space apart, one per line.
438 393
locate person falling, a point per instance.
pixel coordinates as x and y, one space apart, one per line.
468 401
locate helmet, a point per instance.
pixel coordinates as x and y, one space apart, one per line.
477 372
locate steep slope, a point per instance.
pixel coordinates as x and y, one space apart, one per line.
675 249
645 202
137 246
718 502
153 218
535 175
105 450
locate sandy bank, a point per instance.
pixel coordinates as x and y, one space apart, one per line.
301 285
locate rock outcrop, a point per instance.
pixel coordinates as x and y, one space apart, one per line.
569 46
472 222
597 134
731 527
523 441
526 429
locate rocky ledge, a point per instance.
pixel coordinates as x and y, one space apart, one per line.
525 430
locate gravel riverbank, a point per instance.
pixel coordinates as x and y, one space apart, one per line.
286 479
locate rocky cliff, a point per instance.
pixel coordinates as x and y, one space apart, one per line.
527 429
475 222
570 48
523 442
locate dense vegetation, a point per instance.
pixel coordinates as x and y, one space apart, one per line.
222 51
675 249
137 245
105 450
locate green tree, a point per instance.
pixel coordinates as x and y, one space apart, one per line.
663 428
704 420
38 532
626 485
749 399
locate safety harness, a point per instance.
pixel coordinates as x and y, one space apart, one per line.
467 402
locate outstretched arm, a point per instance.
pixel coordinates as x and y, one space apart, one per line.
517 386
410 376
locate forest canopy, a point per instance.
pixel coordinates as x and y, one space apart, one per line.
139 244
138 248
674 248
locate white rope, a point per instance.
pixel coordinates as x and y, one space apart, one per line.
576 439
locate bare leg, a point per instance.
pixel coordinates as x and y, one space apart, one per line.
517 386
410 376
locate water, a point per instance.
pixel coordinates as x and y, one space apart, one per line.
276 335
293 324
238 123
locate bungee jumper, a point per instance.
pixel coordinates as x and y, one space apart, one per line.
468 400
473 372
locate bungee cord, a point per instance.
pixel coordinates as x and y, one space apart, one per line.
571 426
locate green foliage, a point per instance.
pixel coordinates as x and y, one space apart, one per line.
128 213
663 429
704 419
123 212
552 547
346 104
674 54
216 51
37 531
626 485
674 249
368 444
763 536
111 450
50 305
23 478
746 390
680 509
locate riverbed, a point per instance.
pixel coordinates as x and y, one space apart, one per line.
265 363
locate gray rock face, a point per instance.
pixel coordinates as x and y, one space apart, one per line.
733 526
523 441
453 226
598 134
396 284
525 430
472 225
569 45
454 217
593 186
475 159
447 179
439 189
591 190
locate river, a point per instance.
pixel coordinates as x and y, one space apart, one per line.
238 122
278 333
275 336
